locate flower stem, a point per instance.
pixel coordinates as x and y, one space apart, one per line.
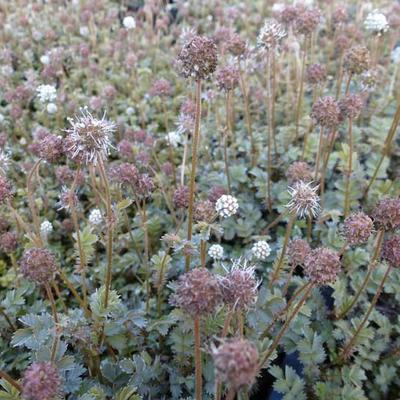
11 381
31 201
197 360
56 321
195 145
301 90
270 132
349 171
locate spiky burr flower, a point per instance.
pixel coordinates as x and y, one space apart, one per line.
38 265
66 199
216 252
299 171
41 381
239 287
198 58
226 206
316 74
181 197
356 60
197 293
46 93
236 362
236 45
204 211
386 214
261 250
307 21
304 199
8 242
298 250
271 34
351 105
5 189
89 139
51 148
322 266
376 22
95 217
326 112
227 78
357 228
391 251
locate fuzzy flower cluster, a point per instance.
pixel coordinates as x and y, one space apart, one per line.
304 200
261 250
326 112
197 293
376 22
41 381
46 93
216 252
271 34
386 214
351 105
204 211
298 250
391 251
322 266
129 22
357 228
46 228
51 148
307 21
299 171
38 265
88 139
8 242
181 197
226 206
236 45
316 74
236 362
356 60
198 58
227 78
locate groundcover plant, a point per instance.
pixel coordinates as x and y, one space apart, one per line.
199 200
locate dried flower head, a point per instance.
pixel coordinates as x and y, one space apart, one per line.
236 45
322 266
236 362
8 242
226 206
298 250
356 60
386 214
161 88
41 381
204 211
376 22
239 287
288 14
307 21
5 189
216 252
391 251
261 250
316 74
197 292
181 197
271 34
304 199
326 112
357 228
88 139
299 171
198 58
227 78
351 105
51 148
38 265
66 199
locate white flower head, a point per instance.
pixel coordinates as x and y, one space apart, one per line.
45 59
216 252
304 199
174 138
376 22
270 34
89 138
130 111
129 22
226 206
46 93
4 162
84 31
46 228
95 217
51 108
261 250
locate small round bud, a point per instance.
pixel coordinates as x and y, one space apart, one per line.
386 214
226 206
216 252
316 74
322 266
298 250
160 88
38 265
391 251
326 112
51 148
41 381
357 228
46 228
299 171
236 45
304 200
236 362
351 106
197 292
261 250
181 197
227 78
356 60
8 242
204 211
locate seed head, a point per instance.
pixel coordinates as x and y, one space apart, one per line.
88 139
356 60
236 45
357 228
391 251
351 106
304 199
316 74
271 34
38 265
261 250
298 250
216 252
226 206
289 14
181 197
161 88
215 193
8 242
197 292
41 381
307 21
66 199
326 112
51 148
340 15
46 93
322 266
299 171
204 211
236 362
386 214
198 58
227 78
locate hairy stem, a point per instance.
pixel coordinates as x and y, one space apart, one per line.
349 171
197 360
